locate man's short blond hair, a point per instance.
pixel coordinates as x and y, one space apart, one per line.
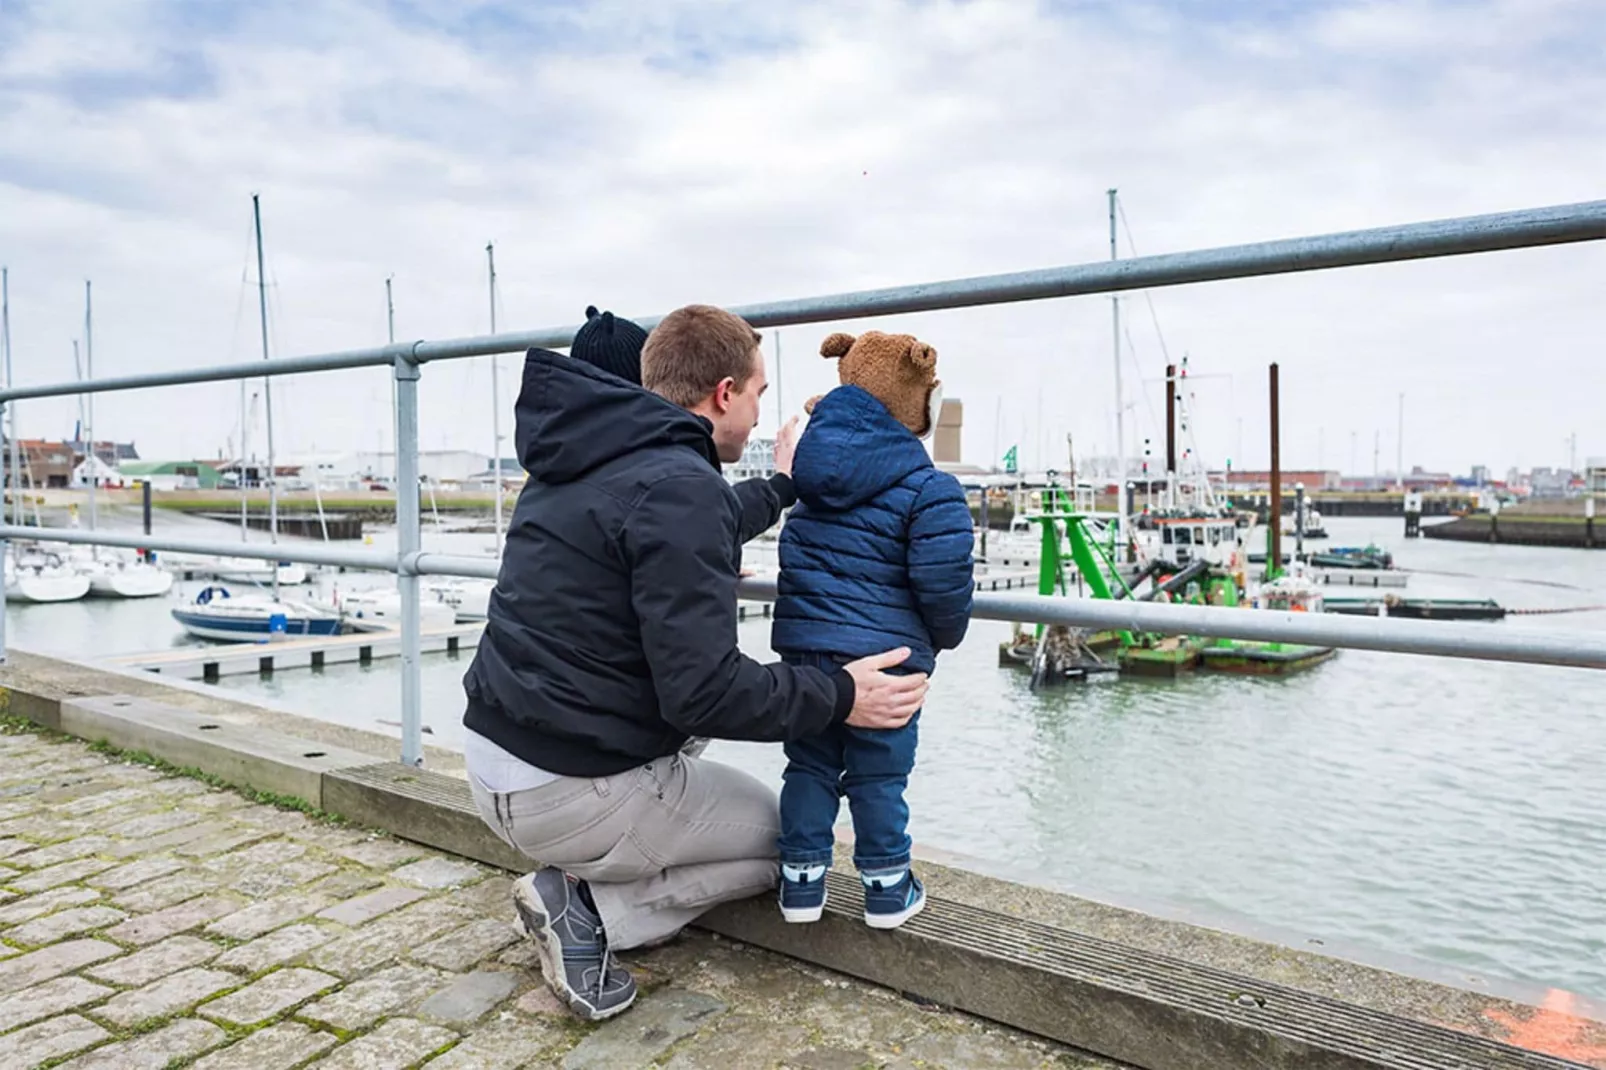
693 349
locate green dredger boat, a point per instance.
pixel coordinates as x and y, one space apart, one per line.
1057 653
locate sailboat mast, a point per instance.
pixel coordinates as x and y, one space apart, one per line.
89 407
496 406
11 410
1120 395
267 391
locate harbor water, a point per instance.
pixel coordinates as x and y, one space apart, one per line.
1446 810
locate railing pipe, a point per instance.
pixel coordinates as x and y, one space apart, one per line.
1555 225
309 554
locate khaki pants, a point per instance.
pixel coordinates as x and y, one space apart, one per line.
659 845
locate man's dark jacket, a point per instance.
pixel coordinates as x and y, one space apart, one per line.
611 635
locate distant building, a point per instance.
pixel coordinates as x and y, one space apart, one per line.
948 445
171 475
1595 475
1245 479
43 463
758 461
1480 475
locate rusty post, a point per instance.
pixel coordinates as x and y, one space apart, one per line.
1274 555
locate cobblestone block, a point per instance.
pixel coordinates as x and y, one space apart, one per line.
382 853
167 841
386 939
64 923
277 1047
364 908
464 948
52 997
136 828
36 967
226 838
399 1042
162 998
41 880
270 914
36 906
164 923
273 994
469 998
153 1051
271 880
130 874
275 948
438 873
502 1046
53 1039
132 798
362 1003
268 853
65 851
142 967
165 892
659 1022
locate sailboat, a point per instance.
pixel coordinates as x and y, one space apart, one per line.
218 613
111 573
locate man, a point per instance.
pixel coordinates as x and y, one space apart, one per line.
611 640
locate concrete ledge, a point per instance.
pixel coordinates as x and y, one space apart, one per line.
264 761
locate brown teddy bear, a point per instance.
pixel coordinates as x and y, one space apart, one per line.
898 370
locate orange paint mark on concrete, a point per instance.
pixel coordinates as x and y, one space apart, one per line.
1553 1029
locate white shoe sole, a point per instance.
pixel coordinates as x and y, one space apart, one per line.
536 924
892 921
803 915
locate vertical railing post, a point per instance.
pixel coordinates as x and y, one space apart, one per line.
408 536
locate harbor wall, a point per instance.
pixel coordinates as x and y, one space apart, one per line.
1518 530
1152 992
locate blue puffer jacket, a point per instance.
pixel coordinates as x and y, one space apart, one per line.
876 553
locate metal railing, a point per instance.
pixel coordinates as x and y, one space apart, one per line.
1450 237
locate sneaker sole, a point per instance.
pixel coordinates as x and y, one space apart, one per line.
549 953
892 921
803 915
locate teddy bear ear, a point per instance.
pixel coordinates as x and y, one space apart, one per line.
836 345
922 356
808 406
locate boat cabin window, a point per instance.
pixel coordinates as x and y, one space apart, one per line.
1215 536
1198 536
1183 537
1165 535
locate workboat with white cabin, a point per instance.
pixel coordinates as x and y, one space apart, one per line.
217 613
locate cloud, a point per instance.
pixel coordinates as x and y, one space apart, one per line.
728 152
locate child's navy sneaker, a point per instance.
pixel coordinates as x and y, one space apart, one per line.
802 893
890 899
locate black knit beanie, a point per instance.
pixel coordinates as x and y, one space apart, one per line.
611 343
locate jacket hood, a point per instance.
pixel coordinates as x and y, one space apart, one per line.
571 418
852 450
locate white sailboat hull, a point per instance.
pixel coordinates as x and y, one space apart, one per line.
382 609
469 599
129 581
45 587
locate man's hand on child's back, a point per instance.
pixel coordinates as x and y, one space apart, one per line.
881 700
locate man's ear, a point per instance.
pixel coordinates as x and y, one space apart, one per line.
722 394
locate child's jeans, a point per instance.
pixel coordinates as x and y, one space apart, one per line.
871 767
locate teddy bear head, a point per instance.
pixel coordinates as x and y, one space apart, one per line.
899 370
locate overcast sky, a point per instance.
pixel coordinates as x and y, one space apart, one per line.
639 156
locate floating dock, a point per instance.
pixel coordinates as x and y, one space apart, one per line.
314 652
1418 608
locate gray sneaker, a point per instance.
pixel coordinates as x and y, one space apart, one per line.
572 947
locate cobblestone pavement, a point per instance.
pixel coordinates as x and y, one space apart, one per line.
148 920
